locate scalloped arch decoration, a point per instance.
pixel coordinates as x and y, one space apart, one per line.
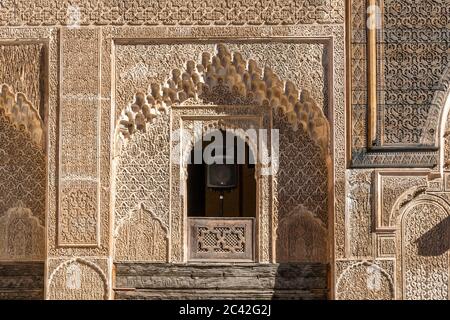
226 72
22 114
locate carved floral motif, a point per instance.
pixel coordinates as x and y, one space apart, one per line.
77 279
232 76
22 162
359 222
425 260
21 235
78 223
141 236
364 280
169 12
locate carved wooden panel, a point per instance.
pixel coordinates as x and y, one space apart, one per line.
221 239
386 246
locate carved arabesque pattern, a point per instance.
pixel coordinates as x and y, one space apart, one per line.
21 67
169 12
364 280
22 170
301 237
305 64
446 163
302 175
360 213
216 118
78 224
77 279
233 77
392 188
141 236
414 66
425 260
22 114
143 178
21 235
221 239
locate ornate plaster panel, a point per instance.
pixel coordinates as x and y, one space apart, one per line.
215 118
358 223
169 12
392 190
423 249
27 71
79 137
78 279
22 167
22 235
411 86
304 64
365 280
142 197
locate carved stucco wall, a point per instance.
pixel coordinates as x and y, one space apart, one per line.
23 179
378 214
28 72
142 197
82 90
301 197
412 69
425 230
302 163
137 66
77 279
413 50
171 12
375 211
384 223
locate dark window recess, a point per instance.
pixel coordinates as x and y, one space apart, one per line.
226 189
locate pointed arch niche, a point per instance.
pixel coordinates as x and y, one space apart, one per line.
156 132
22 178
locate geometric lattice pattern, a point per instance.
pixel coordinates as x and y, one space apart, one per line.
221 239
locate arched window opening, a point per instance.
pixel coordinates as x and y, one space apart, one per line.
221 199
226 187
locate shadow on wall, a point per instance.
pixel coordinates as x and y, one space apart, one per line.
301 237
435 241
301 250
